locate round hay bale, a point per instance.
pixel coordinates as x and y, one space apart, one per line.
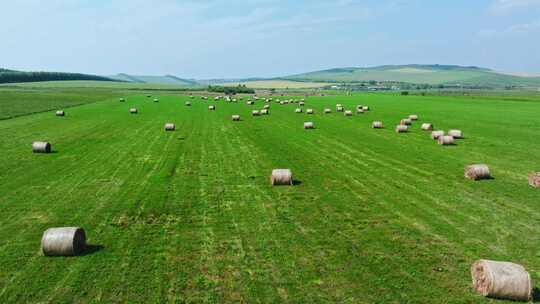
360 111
281 177
339 105
534 179
122 100
148 96
445 140
255 113
427 126
266 107
348 113
402 129
310 111
236 117
501 280
340 109
297 110
406 122
365 108
264 112
359 107
456 133
436 134
170 127
308 125
211 108
413 117
156 100
377 125
327 111
41 147
63 241
133 111
60 113
250 103
301 103
188 103
477 172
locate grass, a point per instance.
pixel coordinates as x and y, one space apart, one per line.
189 216
96 84
279 84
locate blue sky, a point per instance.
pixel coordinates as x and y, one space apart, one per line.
229 38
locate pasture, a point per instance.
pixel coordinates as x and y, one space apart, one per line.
189 216
279 84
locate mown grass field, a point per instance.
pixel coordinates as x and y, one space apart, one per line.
189 216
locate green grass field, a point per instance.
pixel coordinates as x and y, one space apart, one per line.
279 84
189 216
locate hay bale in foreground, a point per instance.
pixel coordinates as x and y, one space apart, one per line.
427 126
501 280
63 241
211 108
133 111
413 117
445 140
477 172
406 122
188 104
534 179
301 103
170 127
340 109
255 113
60 113
41 147
456 133
365 108
281 177
327 111
436 134
377 125
347 113
308 125
264 112
297 110
360 111
402 129
236 117
310 111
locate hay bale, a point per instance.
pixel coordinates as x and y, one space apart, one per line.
266 107
477 172
377 125
211 108
236 117
297 110
281 177
255 113
456 133
406 122
534 179
360 111
402 129
340 109
413 117
121 100
365 108
310 111
327 111
436 134
41 147
427 126
339 105
60 113
148 96
501 280
170 127
133 111
264 112
188 104
359 107
301 103
156 100
250 103
308 125
63 241
445 140
348 113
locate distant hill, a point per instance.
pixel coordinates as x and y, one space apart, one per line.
167 79
420 74
11 76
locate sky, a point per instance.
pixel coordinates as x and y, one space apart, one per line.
265 38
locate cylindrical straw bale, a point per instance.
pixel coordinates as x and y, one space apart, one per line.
63 241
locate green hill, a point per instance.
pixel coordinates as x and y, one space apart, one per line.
10 76
167 79
420 74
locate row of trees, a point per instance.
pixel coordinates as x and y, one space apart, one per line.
7 76
239 89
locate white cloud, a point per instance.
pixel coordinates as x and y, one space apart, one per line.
504 7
